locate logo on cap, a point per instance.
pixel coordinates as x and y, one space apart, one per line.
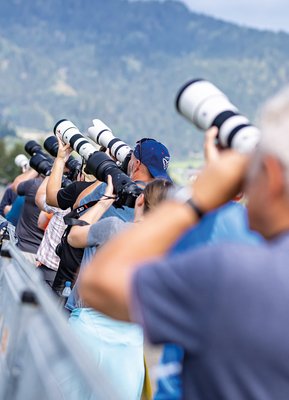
166 161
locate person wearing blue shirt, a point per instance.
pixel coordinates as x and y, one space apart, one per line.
229 224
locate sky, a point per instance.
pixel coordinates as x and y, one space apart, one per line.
263 14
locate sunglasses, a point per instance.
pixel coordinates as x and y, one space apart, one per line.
139 143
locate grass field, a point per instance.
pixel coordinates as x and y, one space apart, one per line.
181 171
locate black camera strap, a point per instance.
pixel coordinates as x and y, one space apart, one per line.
71 218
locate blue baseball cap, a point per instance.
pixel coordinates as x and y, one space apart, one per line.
154 155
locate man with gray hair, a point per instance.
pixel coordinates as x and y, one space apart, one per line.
227 304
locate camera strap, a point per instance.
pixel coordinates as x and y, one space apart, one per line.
71 218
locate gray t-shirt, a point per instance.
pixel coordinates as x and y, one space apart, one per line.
99 233
27 231
227 305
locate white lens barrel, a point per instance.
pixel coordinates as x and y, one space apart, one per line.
120 150
204 104
67 131
102 134
21 160
210 108
246 139
63 127
228 126
192 98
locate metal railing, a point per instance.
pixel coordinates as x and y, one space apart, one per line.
39 356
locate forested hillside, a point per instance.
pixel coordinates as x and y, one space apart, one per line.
123 62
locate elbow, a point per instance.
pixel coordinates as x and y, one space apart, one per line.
92 288
39 203
41 226
73 240
86 287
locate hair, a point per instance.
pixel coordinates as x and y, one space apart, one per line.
274 125
155 192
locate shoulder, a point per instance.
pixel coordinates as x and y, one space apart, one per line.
104 229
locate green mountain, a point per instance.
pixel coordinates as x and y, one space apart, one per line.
123 62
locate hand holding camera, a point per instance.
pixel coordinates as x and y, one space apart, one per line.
64 150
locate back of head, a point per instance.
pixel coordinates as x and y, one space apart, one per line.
274 125
154 155
155 192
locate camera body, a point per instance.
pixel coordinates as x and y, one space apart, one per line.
205 105
99 164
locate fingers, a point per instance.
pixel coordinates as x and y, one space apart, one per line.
211 134
210 148
109 188
109 180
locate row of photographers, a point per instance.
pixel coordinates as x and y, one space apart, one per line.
67 213
190 272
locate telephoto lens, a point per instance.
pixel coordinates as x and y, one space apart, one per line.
41 164
32 148
205 106
102 135
98 163
51 145
22 161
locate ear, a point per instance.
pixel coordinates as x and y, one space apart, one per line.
140 200
275 176
137 165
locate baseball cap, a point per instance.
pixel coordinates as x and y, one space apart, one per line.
154 155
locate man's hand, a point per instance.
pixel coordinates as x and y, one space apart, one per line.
211 150
221 180
109 188
64 150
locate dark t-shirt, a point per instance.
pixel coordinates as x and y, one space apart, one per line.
66 197
27 231
8 198
227 306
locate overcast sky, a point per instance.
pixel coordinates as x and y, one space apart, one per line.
263 14
268 14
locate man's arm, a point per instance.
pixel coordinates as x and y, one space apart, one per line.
40 197
55 178
43 220
29 174
107 288
78 234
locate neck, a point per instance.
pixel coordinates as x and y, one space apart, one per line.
278 221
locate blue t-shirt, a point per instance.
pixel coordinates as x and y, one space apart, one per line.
228 223
15 212
227 306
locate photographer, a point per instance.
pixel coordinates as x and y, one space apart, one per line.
56 196
28 234
47 259
124 348
228 223
230 316
149 160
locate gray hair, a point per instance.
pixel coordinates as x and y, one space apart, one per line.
274 126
